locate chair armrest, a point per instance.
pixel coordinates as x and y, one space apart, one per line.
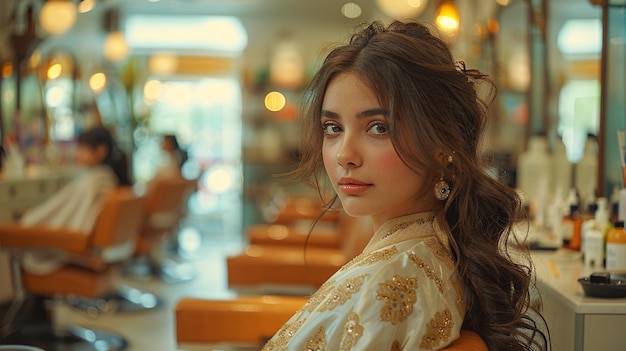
251 319
16 236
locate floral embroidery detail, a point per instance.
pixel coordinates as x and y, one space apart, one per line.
319 296
342 293
317 342
430 273
395 346
440 251
399 295
438 329
377 256
460 303
284 335
352 332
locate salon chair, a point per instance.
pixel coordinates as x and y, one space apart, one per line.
165 205
297 269
89 271
247 322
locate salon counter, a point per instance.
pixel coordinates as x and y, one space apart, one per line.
577 322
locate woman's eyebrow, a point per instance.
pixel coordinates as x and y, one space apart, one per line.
360 115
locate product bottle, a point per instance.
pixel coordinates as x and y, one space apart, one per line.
533 174
561 168
594 233
616 247
587 169
571 224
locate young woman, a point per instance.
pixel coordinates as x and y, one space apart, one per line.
76 205
396 123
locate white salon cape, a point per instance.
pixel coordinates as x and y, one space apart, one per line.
75 207
401 293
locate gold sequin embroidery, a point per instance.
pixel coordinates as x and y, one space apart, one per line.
284 335
376 256
438 329
440 251
460 303
352 332
319 296
395 346
342 293
430 273
398 295
317 342
405 225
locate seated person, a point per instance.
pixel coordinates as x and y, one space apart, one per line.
77 205
173 157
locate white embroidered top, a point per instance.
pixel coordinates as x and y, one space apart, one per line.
401 293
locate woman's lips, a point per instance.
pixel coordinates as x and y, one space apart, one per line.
350 186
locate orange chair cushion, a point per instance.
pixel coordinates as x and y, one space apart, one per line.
262 265
468 341
71 280
287 235
252 319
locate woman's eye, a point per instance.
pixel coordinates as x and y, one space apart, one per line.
379 128
330 128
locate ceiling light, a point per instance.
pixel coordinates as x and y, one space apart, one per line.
57 16
402 9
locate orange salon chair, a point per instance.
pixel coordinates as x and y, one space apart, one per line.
295 269
249 321
164 209
91 262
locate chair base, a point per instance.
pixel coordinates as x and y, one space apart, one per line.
73 339
34 328
169 270
125 299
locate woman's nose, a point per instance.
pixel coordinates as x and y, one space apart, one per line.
348 155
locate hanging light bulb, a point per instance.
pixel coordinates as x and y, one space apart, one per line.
115 46
402 9
57 16
447 18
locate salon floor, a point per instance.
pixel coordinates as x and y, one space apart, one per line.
154 329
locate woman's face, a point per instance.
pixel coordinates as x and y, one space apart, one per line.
365 170
90 156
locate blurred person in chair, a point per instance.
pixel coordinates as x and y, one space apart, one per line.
77 205
396 124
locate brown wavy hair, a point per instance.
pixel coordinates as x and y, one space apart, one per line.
434 110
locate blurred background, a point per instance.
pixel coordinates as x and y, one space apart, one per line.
226 77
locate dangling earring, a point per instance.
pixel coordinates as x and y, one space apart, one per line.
442 188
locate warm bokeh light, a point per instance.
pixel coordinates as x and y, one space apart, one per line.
275 101
86 5
115 46
287 66
57 16
54 96
351 10
163 64
97 82
54 71
152 90
402 9
7 70
447 18
503 2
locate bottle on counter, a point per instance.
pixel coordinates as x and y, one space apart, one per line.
533 174
593 233
572 223
616 247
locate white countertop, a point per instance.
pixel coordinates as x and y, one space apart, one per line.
557 277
